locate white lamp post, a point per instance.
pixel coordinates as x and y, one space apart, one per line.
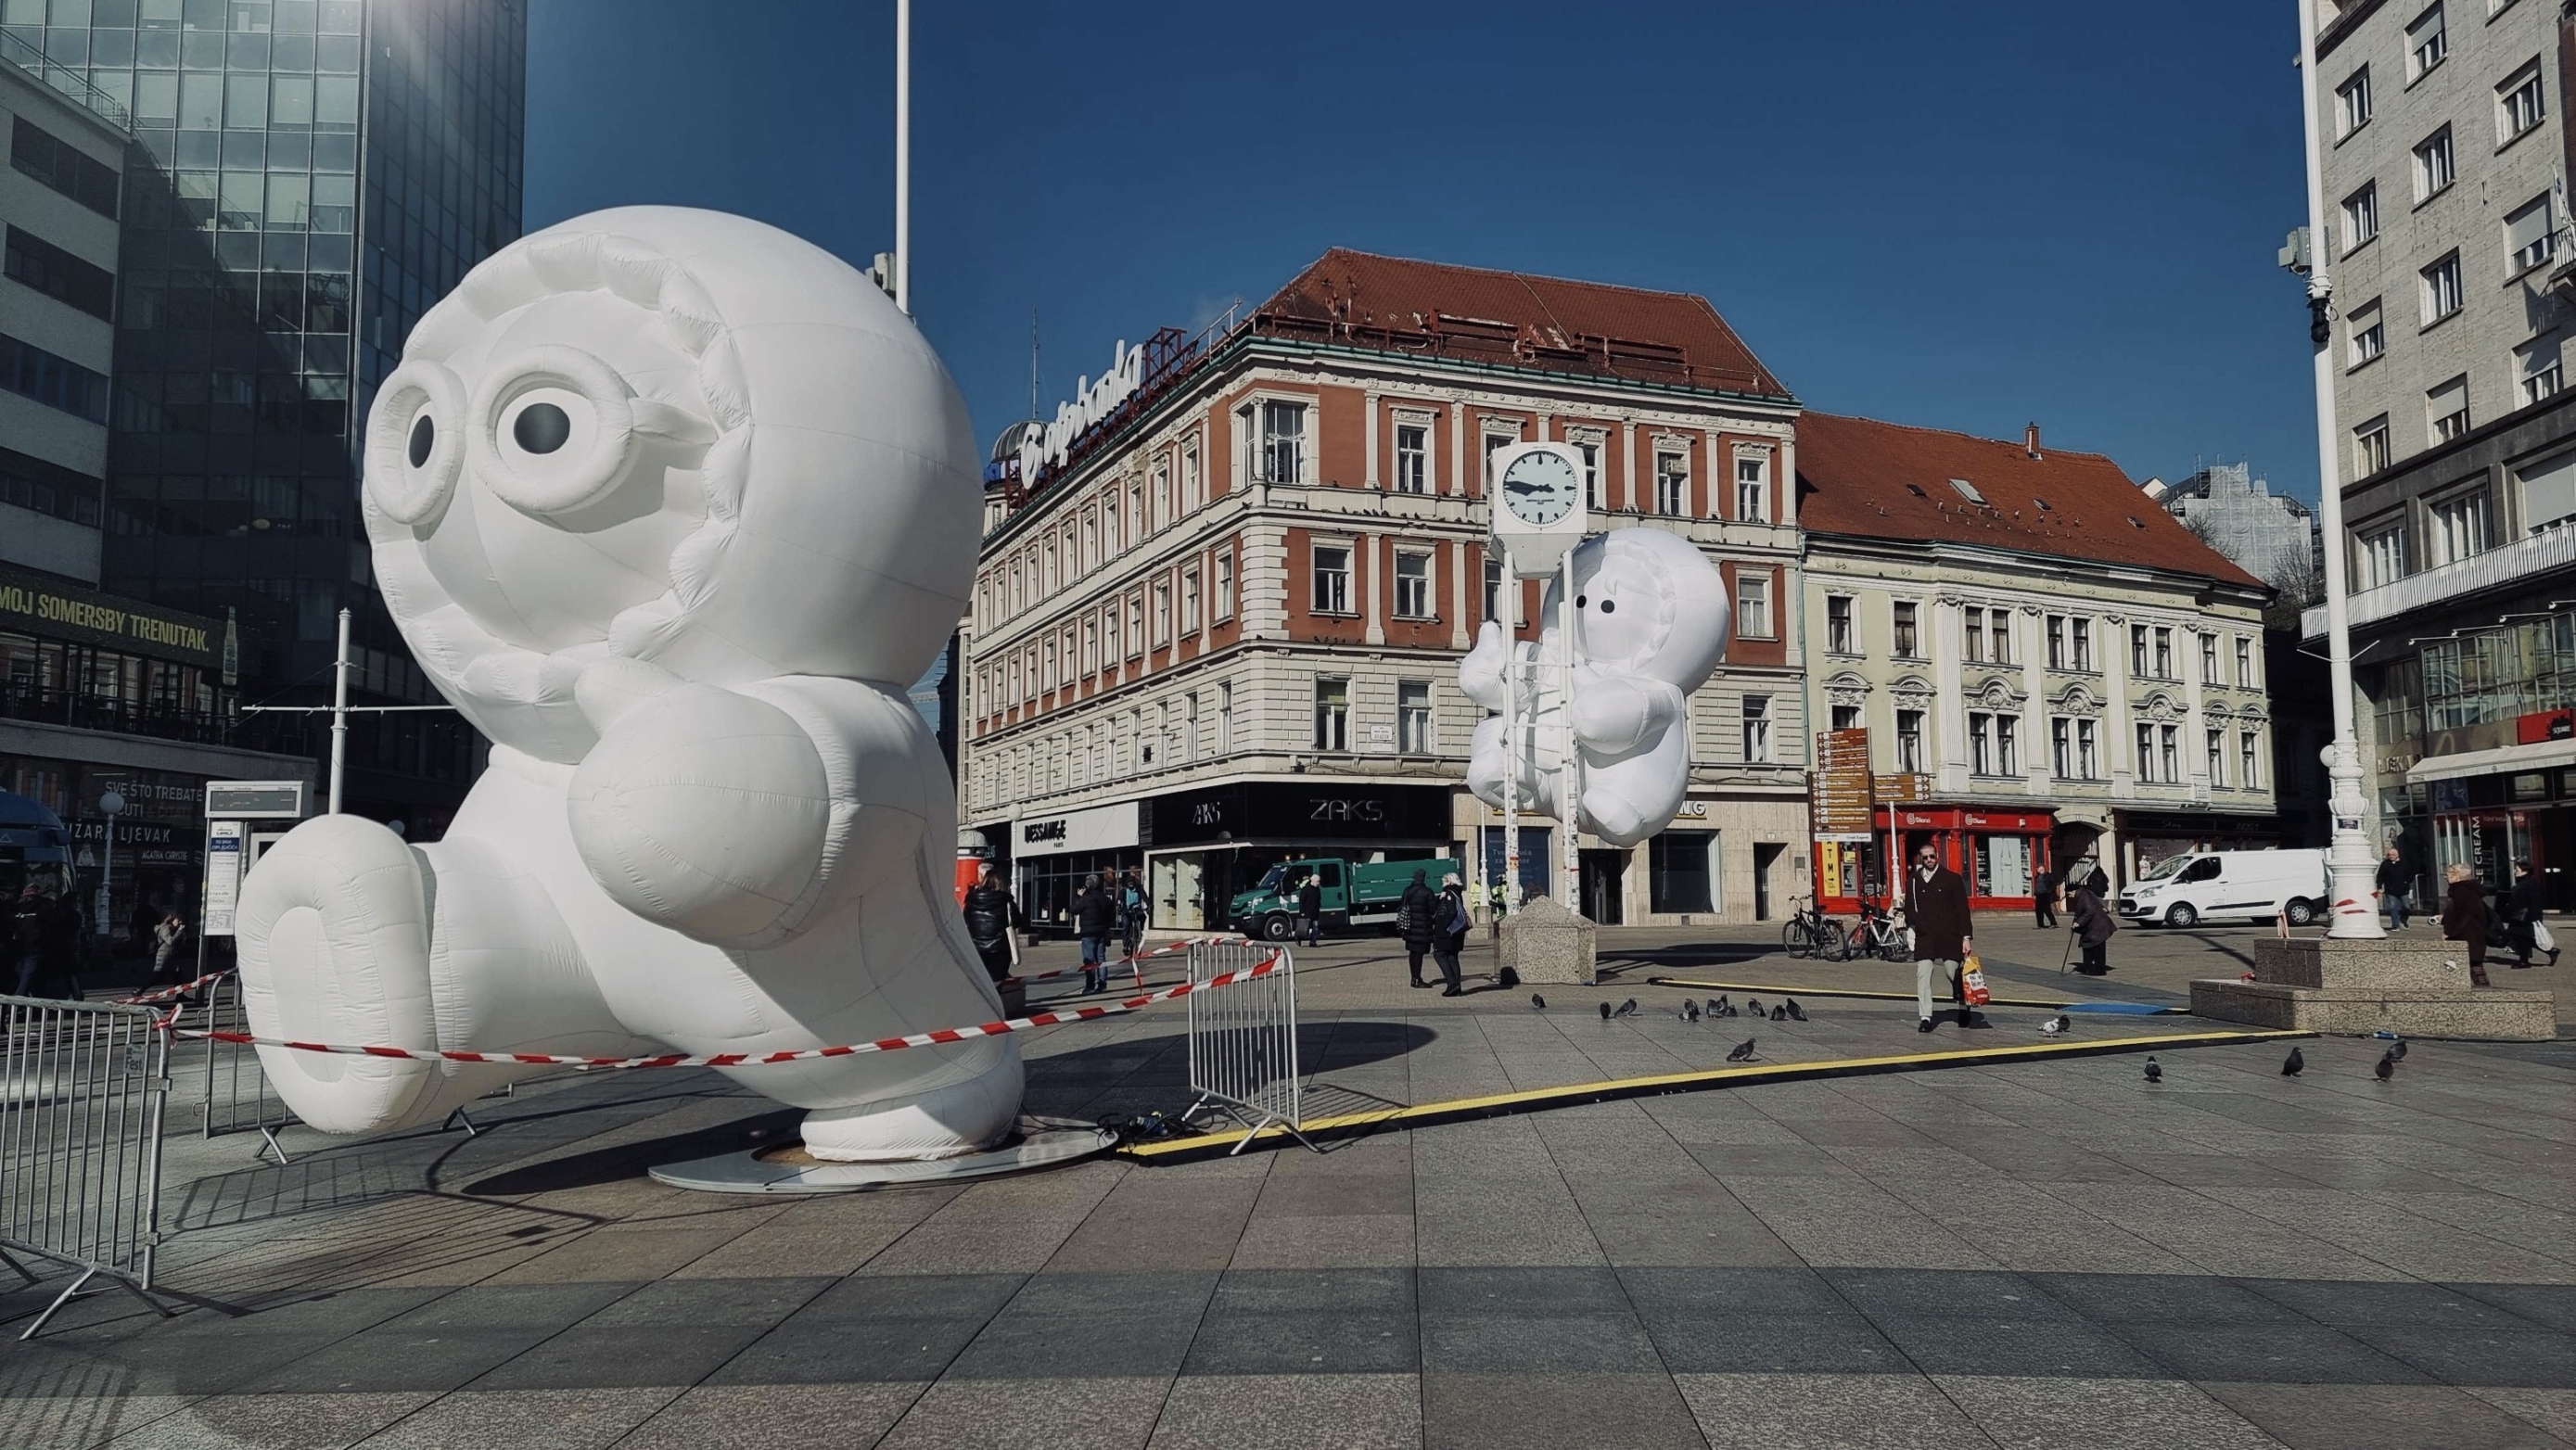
108 806
2352 909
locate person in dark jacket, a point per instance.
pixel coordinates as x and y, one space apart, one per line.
2043 898
1310 910
2094 924
1936 908
2465 919
1415 923
1095 921
45 933
2395 884
1450 922
2523 908
990 916
1132 912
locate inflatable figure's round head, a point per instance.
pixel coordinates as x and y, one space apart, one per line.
674 436
1647 603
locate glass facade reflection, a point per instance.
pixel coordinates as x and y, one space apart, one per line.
308 176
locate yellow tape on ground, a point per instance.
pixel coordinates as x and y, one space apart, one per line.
1423 1115
1940 1004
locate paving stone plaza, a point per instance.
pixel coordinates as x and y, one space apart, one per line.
2045 1253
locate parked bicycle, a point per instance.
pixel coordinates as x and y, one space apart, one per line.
1811 933
1880 935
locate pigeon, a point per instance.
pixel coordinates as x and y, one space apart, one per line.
2155 1071
2387 1065
2399 1051
2294 1064
1605 1011
1690 1011
1743 1051
1796 1012
1779 1014
2056 1026
1627 1008
1538 1001
1753 1005
1717 1007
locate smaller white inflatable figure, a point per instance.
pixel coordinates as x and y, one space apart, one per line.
1650 624
673 506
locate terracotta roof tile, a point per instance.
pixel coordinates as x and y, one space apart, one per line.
1859 476
1514 318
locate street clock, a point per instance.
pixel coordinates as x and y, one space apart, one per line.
1538 506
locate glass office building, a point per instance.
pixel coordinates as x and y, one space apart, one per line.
307 177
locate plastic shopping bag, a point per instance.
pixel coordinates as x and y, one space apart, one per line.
1972 982
2542 937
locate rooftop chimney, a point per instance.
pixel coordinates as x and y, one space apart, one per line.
2030 439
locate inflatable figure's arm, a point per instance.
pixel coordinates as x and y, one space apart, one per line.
1615 714
1480 674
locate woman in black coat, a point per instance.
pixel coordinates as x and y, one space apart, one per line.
2465 919
2093 927
1415 921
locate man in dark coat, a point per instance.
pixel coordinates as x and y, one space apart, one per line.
2467 919
2043 898
2094 924
2523 909
1310 910
1414 921
990 915
1449 923
2395 884
1095 921
1936 907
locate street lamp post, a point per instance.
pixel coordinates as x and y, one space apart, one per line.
108 805
2353 912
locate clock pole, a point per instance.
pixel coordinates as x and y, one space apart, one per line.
1509 898
1569 766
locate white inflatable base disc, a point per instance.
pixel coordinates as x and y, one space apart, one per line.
1039 1143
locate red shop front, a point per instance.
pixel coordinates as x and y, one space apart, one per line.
1999 852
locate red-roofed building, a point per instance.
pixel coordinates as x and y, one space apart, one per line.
2048 664
1224 595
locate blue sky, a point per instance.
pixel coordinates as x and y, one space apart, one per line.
1966 216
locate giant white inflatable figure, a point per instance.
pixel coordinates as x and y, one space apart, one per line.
673 506
1650 624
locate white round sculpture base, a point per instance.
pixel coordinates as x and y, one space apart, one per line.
1038 1143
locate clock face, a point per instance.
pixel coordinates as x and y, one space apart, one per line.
1540 488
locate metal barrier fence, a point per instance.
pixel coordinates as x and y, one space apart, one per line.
239 1098
82 1090
1243 1039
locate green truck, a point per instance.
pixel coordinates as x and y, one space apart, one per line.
1356 893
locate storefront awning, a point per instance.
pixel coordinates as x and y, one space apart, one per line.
2503 760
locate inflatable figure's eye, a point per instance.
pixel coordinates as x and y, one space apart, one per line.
542 428
553 429
1578 601
414 442
1609 606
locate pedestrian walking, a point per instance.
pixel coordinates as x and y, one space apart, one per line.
1132 912
1095 920
991 915
1936 909
1450 925
46 933
2395 885
2465 919
2523 910
1310 909
1415 922
166 939
2043 898
2094 924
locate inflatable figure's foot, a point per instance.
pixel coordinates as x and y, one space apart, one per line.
334 940
959 1117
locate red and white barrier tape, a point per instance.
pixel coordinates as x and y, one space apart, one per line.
1168 947
1262 968
168 993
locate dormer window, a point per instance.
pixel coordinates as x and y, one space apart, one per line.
1968 491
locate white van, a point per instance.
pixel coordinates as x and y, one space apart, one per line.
2258 885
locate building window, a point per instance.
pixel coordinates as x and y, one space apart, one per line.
2446 410
2209 659
1752 605
1332 579
1981 743
2548 491
58 163
1493 587
2360 217
2436 166
1495 442
2007 745
1225 719
1162 613
1190 600
1090 645
2147 756
1902 618
1412 458
2244 663
1838 625
2061 747
2368 333
2440 288
1412 585
2083 636
1589 450
2520 104
2164 654
2380 555
58 274
2217 761
1135 627
1678 878
1909 741
2370 446
2057 641
2426 43
1413 717
56 382
1223 608
1672 483
2138 651
1753 489
1757 729
2248 776
2352 103
2530 236
2167 756
1332 714
1972 635
2088 753
2538 370
2459 527
1110 653
1846 717
1283 442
